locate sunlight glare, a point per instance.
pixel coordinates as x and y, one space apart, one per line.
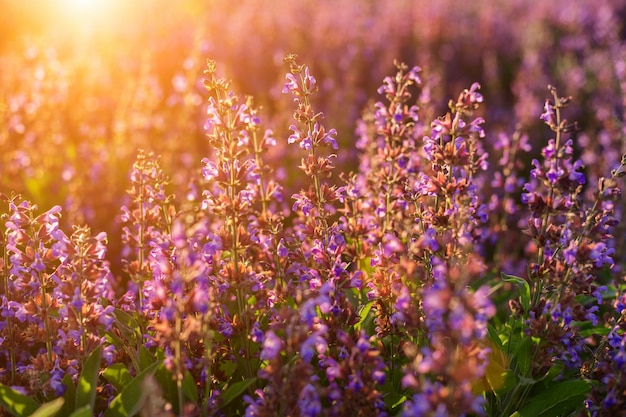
84 11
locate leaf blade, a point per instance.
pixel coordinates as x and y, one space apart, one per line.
128 402
235 390
49 409
16 403
522 286
118 375
88 381
557 399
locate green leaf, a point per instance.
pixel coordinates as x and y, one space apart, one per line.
69 396
118 375
17 403
228 368
165 379
85 411
522 356
496 372
235 390
595 331
394 400
49 409
128 402
146 359
363 314
189 387
128 326
88 381
556 400
494 336
522 287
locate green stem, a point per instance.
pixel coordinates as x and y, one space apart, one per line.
258 149
208 356
44 313
316 181
83 334
538 285
140 255
179 365
5 283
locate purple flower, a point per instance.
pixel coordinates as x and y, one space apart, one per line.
291 85
272 345
556 313
548 115
309 402
209 170
308 310
296 137
473 95
321 136
388 87
16 310
620 304
417 406
268 139
413 75
429 240
256 334
475 127
314 343
302 203
282 249
56 381
213 245
610 400
226 328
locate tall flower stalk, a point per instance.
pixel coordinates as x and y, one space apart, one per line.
147 219
242 202
32 267
572 242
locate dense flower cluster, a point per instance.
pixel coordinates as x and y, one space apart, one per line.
572 242
437 277
54 299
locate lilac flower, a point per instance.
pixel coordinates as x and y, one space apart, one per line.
548 115
388 87
302 203
272 345
417 406
314 343
209 170
309 402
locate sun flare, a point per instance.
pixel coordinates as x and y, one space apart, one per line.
85 11
83 7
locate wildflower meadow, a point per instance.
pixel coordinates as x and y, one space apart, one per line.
312 208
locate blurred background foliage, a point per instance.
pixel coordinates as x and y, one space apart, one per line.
85 84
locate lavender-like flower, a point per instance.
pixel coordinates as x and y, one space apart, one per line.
83 290
448 215
47 272
243 207
28 287
572 242
608 366
183 301
146 220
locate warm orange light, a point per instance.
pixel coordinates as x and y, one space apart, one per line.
85 12
82 8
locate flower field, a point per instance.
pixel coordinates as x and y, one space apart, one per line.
312 208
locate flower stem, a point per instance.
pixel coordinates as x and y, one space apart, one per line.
5 284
